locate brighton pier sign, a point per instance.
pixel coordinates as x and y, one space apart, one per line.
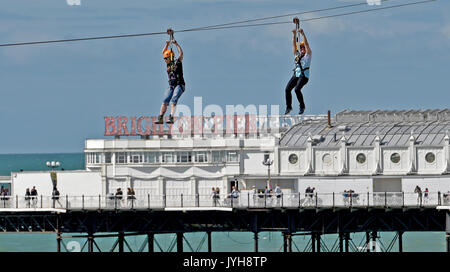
196 125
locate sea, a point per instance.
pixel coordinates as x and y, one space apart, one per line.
193 242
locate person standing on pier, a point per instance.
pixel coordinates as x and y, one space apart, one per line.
34 196
27 197
418 190
176 79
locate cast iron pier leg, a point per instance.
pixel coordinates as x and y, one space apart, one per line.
341 242
151 242
374 241
121 241
447 230
256 241
90 242
400 241
318 241
58 241
347 239
367 241
313 242
179 242
209 241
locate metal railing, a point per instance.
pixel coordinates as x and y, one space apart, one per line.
243 200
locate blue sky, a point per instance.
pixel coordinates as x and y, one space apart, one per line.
55 96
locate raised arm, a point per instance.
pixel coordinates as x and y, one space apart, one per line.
294 43
165 47
180 51
308 49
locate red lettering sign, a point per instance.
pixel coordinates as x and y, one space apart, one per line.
185 125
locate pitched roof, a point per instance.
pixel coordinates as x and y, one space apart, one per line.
360 128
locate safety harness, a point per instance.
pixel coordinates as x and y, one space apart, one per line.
298 57
172 66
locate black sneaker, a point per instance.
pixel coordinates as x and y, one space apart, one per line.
160 120
301 111
288 110
170 121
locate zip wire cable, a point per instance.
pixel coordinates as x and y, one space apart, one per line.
280 16
315 18
223 26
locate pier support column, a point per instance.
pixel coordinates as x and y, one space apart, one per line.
374 241
256 241
400 241
289 239
346 239
209 241
58 241
313 242
341 242
90 242
287 242
179 242
121 241
151 242
318 241
367 241
447 230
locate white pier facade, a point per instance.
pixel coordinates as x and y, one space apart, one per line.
367 152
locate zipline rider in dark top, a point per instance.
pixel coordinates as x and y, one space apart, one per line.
301 72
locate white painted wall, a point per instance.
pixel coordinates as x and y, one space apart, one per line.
434 184
297 168
330 185
402 167
71 183
332 167
253 162
424 167
360 168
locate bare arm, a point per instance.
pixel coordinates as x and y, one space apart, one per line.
308 49
165 47
294 43
180 51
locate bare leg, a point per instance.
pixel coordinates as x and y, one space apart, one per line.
173 108
163 109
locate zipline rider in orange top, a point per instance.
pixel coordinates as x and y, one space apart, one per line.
301 71
176 80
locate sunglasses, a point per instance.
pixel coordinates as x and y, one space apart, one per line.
167 58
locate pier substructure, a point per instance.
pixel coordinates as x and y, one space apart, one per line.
367 241
58 241
289 221
151 242
121 239
255 238
374 236
347 241
313 242
209 241
447 230
341 242
400 241
90 241
179 242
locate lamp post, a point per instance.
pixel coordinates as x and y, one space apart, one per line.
268 162
53 165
